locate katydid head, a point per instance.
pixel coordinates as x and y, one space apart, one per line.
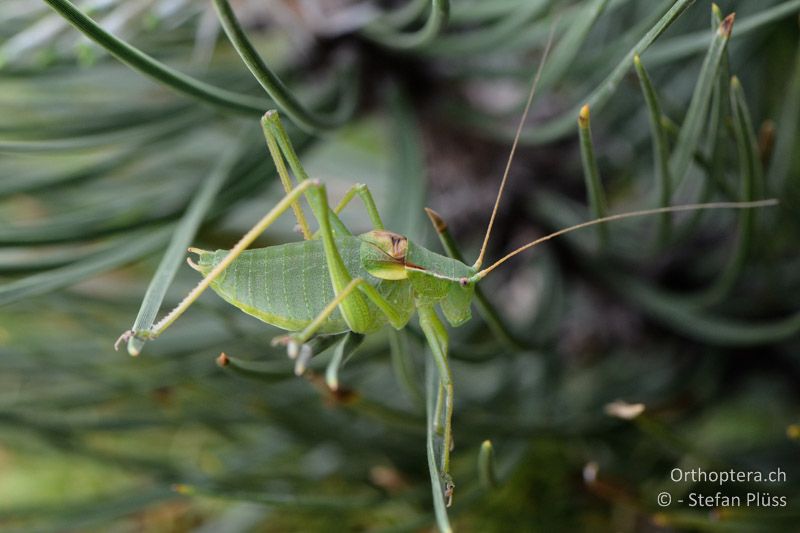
383 254
434 278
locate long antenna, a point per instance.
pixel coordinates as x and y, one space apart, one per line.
672 209
538 75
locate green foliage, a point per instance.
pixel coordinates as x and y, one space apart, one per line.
107 175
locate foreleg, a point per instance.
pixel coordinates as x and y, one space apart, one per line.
296 342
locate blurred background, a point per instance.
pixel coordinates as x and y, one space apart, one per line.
109 169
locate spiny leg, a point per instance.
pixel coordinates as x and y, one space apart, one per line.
354 308
240 246
276 136
279 143
296 342
283 174
436 335
364 193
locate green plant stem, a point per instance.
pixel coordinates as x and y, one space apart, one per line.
278 499
489 36
181 239
686 45
570 43
697 113
486 469
306 119
408 13
717 143
714 181
672 311
388 36
660 149
779 177
341 354
129 151
160 72
750 189
128 249
96 140
439 505
407 170
267 371
562 125
402 364
594 189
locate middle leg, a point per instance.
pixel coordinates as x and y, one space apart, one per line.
354 309
283 174
364 193
395 315
295 343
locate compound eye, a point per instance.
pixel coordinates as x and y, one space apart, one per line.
392 244
463 282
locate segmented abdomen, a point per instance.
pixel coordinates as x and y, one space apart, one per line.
286 285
